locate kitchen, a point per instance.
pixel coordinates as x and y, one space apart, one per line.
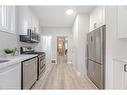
25 58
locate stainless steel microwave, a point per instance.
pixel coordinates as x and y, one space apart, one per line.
31 37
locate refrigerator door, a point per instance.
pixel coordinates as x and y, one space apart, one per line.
91 46
99 45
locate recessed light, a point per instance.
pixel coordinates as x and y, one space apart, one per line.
69 12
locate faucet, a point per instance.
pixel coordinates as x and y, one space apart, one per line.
15 50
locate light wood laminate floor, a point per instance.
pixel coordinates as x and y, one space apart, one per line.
62 76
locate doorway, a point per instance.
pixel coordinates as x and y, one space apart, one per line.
62 49
46 42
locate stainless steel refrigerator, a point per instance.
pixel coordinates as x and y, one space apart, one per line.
96 56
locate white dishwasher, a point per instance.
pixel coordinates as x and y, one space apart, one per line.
29 73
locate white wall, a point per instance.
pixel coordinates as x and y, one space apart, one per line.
114 46
80 30
54 32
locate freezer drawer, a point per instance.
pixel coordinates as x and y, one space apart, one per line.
95 73
90 69
98 75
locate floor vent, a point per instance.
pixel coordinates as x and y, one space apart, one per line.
53 61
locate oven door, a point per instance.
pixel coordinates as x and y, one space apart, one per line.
41 64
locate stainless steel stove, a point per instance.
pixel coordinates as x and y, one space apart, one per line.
41 58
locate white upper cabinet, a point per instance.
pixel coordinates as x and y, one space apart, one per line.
11 19
97 18
3 18
24 20
27 20
35 24
7 19
122 22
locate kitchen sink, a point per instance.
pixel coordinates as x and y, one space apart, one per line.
2 61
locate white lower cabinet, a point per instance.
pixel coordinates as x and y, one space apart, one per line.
120 74
10 77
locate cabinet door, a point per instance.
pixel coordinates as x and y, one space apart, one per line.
3 18
125 76
92 20
7 19
10 77
103 16
119 75
24 20
35 24
11 15
100 16
122 22
97 18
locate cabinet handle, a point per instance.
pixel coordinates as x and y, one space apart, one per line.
125 67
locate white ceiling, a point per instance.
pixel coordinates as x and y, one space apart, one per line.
55 16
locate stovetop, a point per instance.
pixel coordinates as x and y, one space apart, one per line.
39 53
30 50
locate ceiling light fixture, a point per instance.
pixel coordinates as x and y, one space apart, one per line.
69 12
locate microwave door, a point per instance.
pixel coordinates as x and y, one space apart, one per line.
33 37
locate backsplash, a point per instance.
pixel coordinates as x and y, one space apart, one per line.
36 46
9 40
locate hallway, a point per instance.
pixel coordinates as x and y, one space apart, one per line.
62 76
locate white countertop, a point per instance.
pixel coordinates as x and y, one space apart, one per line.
15 59
120 59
